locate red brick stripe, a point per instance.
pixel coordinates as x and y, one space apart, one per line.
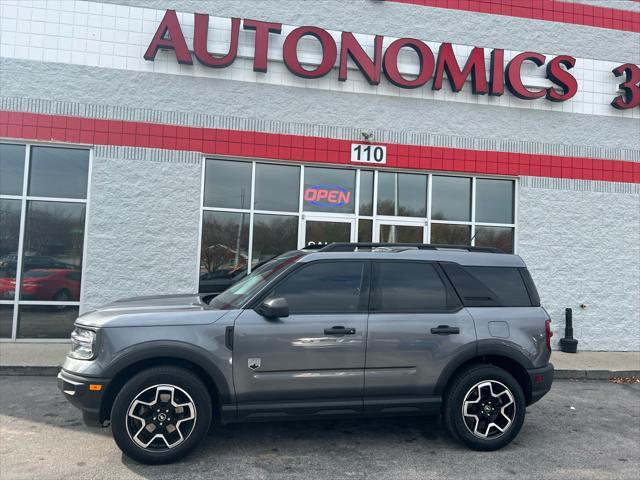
550 10
212 141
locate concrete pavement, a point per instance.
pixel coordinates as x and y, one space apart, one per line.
582 430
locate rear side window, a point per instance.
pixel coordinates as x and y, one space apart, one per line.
489 286
410 287
325 287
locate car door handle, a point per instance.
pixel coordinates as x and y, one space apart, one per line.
339 331
444 330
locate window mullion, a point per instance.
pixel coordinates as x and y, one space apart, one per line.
19 253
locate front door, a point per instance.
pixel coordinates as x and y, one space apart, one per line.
311 362
416 327
322 230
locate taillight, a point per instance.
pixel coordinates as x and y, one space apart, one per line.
548 333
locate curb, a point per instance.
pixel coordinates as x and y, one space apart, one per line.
47 371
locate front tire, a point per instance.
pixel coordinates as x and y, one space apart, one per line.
161 415
484 407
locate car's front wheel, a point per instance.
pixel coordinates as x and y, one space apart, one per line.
161 415
484 407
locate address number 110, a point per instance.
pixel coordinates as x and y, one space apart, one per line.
367 153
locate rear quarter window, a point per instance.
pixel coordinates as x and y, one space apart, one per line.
489 286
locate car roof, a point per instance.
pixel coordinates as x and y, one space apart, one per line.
468 258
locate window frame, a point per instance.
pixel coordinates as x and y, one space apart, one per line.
450 291
24 199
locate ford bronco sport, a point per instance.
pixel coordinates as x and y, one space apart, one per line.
350 329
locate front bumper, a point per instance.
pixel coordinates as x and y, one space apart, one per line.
85 393
541 380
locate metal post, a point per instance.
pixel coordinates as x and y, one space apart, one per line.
568 344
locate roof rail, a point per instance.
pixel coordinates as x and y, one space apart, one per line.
352 247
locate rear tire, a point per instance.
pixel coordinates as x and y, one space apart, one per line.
161 415
484 407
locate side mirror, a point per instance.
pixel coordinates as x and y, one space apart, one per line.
274 308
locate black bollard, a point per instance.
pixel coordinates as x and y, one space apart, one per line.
568 344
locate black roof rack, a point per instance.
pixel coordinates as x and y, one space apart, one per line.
351 247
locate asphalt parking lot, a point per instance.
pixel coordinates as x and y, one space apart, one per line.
581 430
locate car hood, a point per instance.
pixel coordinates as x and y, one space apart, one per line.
153 311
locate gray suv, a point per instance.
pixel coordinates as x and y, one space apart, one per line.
347 330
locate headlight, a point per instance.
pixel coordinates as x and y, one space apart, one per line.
83 343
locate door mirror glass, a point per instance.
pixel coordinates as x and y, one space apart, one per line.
274 308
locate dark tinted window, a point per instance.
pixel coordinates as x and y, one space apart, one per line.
11 168
494 201
366 192
498 237
273 235
402 194
410 287
324 287
444 234
58 172
489 286
277 187
451 198
227 184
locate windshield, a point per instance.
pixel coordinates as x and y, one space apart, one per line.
236 295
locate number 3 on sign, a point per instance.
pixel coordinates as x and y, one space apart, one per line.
366 153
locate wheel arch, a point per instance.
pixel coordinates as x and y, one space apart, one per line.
170 354
514 363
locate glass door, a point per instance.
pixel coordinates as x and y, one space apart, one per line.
399 231
322 230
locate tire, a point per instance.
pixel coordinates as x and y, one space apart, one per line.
488 395
175 394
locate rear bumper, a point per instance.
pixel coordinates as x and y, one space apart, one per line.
541 380
83 393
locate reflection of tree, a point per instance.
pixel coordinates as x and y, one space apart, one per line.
386 207
273 235
450 234
501 238
55 229
220 234
400 234
9 226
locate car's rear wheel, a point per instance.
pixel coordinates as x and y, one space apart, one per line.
484 407
161 415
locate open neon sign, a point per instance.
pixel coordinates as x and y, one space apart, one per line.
327 195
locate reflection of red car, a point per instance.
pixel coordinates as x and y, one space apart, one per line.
45 284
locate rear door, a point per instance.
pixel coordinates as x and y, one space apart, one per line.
311 362
416 327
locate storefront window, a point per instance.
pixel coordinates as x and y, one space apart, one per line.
451 197
225 245
12 168
273 235
366 193
402 194
498 237
329 190
228 184
58 172
40 281
243 228
494 201
444 234
365 230
277 187
52 258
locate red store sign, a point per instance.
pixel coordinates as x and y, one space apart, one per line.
169 36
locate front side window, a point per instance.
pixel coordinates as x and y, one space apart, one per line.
402 287
41 276
325 287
